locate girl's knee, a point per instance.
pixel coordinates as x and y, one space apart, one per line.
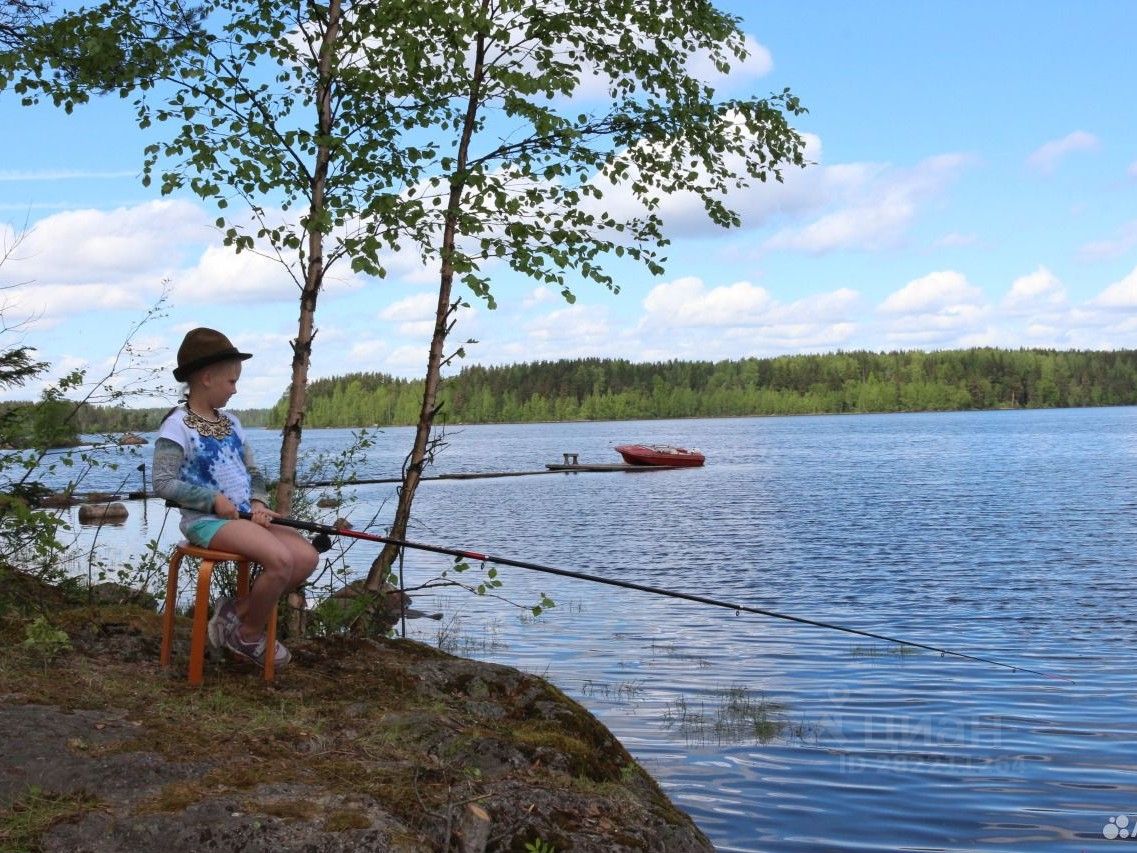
280 562
306 561
305 557
302 560
276 580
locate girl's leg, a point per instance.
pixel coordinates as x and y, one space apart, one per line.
278 568
305 558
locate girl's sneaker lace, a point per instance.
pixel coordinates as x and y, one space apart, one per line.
254 650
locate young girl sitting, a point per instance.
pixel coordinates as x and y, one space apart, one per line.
203 463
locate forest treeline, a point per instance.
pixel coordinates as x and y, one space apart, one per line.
616 389
58 423
117 419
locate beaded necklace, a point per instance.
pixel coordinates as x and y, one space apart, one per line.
221 427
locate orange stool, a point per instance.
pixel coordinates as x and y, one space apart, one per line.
208 558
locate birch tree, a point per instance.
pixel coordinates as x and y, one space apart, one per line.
540 137
524 161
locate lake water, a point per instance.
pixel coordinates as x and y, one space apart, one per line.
1007 535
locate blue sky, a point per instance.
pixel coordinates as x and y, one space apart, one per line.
974 183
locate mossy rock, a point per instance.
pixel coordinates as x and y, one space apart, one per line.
360 744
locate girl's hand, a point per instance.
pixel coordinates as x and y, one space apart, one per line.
224 507
262 515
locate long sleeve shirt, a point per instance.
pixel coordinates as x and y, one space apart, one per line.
195 459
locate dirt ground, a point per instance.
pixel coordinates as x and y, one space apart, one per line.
360 745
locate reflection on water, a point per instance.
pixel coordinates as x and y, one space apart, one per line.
1007 535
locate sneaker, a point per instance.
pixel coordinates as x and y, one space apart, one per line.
224 618
254 650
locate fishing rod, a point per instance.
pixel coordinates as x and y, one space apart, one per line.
328 531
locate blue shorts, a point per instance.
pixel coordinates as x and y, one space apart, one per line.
202 531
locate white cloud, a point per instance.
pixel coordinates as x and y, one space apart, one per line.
871 227
686 319
537 296
340 281
13 175
120 258
956 240
575 331
34 389
407 265
1045 334
687 302
1037 291
223 275
415 315
684 214
870 206
758 63
954 325
367 352
1122 242
1047 157
937 291
418 329
109 247
416 308
407 360
862 206
85 261
44 305
781 337
580 326
1120 295
835 306
938 309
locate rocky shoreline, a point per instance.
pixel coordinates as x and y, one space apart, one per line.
361 744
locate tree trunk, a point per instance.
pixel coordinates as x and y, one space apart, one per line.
313 272
412 473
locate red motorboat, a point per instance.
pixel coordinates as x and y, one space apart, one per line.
660 455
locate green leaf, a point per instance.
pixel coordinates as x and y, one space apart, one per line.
399 141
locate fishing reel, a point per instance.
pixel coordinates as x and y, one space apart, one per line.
322 542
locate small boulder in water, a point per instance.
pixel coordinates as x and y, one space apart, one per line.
112 513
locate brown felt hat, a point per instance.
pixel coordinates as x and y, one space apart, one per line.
201 348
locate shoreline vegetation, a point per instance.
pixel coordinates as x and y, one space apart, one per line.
590 389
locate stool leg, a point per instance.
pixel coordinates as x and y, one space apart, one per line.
242 578
200 620
168 613
270 647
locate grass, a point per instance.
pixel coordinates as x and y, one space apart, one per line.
341 820
624 691
736 716
34 812
899 650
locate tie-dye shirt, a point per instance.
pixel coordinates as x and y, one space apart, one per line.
191 468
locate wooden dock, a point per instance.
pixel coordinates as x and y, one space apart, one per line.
572 465
569 466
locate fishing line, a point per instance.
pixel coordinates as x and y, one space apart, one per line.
327 531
